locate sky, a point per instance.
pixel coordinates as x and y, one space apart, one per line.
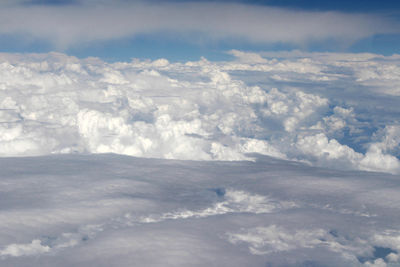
203 80
202 133
186 30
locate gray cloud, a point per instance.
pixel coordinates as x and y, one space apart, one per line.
94 210
69 25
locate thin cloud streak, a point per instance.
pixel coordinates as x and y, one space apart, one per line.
71 25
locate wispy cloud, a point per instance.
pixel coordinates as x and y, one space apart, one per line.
84 22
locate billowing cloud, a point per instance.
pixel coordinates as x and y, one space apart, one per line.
202 110
88 21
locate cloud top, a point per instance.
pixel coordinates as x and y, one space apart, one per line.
52 103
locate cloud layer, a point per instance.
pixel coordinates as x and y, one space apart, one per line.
85 22
317 109
93 210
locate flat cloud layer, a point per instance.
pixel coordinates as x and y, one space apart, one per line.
84 22
112 210
334 110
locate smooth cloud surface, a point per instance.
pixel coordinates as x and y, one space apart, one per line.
102 210
339 113
70 25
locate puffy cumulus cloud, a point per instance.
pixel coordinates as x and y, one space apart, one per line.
324 149
17 250
382 153
52 103
294 109
338 122
380 74
389 239
388 139
88 21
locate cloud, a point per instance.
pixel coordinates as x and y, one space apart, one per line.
71 25
276 239
80 210
202 110
234 202
16 250
265 240
247 57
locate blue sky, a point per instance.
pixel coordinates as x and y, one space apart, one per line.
181 30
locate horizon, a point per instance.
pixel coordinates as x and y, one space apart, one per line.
182 30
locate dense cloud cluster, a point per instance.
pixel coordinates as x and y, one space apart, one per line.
335 110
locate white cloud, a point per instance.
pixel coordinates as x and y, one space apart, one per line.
388 139
265 240
70 25
247 57
376 160
322 149
389 238
376 263
16 250
393 257
203 110
234 202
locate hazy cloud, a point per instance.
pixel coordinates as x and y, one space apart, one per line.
82 22
80 210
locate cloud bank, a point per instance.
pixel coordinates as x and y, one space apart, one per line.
97 210
83 22
315 109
